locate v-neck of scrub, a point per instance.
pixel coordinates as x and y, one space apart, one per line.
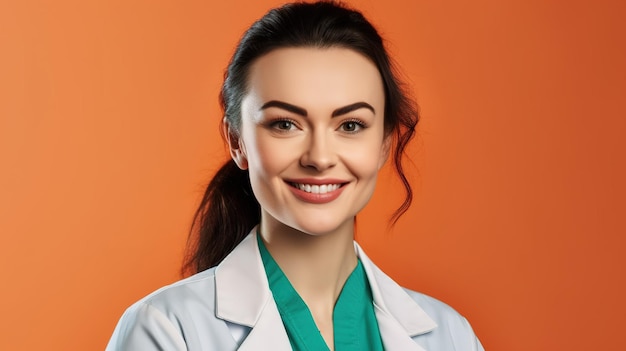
354 320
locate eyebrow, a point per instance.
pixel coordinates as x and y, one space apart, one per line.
303 112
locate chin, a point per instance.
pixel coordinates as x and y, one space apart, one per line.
320 226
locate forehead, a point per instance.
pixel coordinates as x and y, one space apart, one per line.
315 78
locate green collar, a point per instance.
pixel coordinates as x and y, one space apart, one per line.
354 320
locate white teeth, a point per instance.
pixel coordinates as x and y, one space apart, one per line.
317 189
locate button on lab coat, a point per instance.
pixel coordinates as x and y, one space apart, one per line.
230 307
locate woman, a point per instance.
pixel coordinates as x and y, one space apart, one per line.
312 112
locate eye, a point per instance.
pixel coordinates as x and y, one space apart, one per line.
283 125
352 126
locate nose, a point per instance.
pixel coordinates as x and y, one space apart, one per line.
319 154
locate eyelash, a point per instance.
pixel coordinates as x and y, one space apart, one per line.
274 124
360 125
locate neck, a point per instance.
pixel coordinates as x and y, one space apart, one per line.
316 265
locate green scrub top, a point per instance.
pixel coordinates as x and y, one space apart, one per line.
354 321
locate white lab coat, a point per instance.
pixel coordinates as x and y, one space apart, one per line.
230 307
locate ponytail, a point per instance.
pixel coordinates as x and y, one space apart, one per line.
227 213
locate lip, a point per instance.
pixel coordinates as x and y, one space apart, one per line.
317 181
316 198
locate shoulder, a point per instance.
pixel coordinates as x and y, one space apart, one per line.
452 327
170 317
432 324
196 289
440 312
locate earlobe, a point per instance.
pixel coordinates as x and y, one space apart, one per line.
235 146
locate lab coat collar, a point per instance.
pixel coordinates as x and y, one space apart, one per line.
243 297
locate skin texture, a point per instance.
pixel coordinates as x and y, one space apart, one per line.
312 114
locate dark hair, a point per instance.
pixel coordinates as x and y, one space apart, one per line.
229 210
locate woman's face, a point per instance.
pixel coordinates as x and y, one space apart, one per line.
312 136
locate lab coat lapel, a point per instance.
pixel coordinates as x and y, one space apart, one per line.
399 316
395 337
243 297
268 334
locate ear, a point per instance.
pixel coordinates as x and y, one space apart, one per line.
235 145
384 152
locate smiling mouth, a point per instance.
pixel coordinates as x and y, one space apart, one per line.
316 189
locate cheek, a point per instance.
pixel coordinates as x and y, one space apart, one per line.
363 159
268 156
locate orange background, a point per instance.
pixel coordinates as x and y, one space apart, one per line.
109 131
